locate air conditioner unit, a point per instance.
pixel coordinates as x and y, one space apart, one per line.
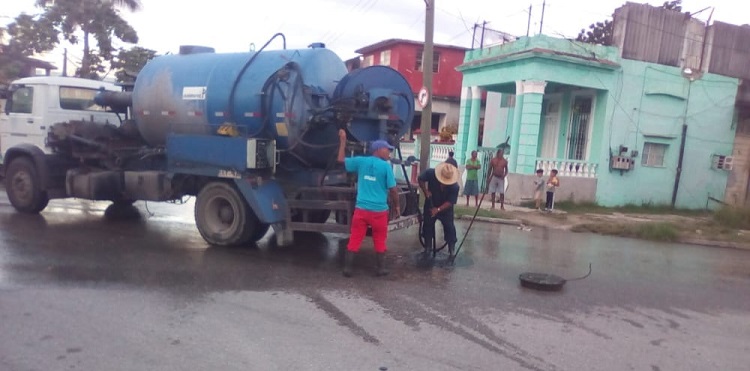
721 162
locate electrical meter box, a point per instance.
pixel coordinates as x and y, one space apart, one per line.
622 163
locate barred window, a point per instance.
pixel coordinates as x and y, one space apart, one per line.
653 154
435 60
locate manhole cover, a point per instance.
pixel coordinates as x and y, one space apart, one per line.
541 281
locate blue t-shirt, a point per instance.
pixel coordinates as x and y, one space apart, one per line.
375 178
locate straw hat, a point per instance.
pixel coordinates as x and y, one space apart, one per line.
446 173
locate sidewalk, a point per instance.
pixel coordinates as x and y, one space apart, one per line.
694 230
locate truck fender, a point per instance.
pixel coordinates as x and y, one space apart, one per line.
266 198
35 154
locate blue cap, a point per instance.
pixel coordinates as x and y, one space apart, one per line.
378 144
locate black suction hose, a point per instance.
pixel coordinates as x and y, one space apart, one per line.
244 68
453 258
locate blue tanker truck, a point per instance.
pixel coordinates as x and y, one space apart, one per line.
253 136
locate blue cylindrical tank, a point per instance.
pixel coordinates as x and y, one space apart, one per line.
191 93
300 98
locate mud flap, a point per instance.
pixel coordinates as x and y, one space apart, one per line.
266 199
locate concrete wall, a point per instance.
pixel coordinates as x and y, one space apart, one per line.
651 105
521 188
737 182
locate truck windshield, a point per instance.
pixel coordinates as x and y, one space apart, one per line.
80 99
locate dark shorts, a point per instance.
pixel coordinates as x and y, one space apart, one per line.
471 188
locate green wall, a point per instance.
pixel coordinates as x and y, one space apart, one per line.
635 102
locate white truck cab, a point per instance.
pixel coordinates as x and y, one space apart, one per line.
35 103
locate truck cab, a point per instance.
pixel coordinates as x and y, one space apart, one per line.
35 103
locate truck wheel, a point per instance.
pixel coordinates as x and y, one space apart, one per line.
23 188
223 217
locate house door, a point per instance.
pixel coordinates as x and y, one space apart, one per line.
551 127
578 133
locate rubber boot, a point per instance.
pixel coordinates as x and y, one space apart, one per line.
348 262
382 271
427 248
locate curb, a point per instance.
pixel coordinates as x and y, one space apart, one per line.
485 219
689 241
723 244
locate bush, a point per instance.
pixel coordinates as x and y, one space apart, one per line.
733 217
665 232
657 232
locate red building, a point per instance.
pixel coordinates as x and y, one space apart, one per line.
405 56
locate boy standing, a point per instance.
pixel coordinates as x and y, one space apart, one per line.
552 184
538 188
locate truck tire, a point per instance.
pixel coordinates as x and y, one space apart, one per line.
223 217
23 187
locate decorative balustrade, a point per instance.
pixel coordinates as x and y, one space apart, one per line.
569 168
439 152
409 149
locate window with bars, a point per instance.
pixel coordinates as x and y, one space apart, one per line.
385 58
580 119
653 154
435 60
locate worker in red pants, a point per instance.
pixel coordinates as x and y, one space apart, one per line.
375 184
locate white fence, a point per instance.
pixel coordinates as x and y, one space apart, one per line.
568 168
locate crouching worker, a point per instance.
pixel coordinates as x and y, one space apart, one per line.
440 187
375 183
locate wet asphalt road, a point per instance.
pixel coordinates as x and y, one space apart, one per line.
79 292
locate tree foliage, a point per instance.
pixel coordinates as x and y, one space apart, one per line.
99 19
129 62
27 36
601 32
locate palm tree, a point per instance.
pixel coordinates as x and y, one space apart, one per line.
97 18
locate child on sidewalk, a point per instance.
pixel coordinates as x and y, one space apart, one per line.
552 184
538 188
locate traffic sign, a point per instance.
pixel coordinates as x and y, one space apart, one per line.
423 97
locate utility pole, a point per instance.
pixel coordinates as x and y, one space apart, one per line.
65 63
481 43
474 36
691 75
541 23
426 124
528 26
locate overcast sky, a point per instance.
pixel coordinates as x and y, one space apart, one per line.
347 25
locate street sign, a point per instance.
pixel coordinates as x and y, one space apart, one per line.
423 97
